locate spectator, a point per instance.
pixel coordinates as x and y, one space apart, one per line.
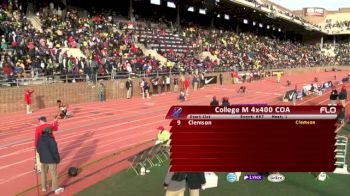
129 88
225 101
49 158
187 86
163 136
28 99
38 132
182 96
220 78
155 85
195 181
278 75
295 95
333 97
343 96
195 82
167 82
176 84
242 89
101 91
175 184
62 110
145 88
341 117
214 102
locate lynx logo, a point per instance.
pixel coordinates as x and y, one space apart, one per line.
276 178
332 110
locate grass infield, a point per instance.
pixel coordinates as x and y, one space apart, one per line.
126 183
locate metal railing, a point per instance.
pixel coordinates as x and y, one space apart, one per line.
93 78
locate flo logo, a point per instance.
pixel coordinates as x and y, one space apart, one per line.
176 112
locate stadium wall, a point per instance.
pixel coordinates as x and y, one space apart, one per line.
12 99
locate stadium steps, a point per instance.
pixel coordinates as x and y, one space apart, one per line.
329 52
204 55
153 53
75 52
35 20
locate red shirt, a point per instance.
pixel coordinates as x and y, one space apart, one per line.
28 97
187 83
39 130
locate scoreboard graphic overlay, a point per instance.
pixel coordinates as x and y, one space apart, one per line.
253 138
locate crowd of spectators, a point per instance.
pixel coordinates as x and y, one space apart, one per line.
338 24
342 54
109 47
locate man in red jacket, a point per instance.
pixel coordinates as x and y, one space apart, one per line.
38 132
28 100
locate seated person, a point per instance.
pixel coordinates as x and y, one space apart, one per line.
63 110
312 89
242 89
182 96
163 136
214 102
341 117
225 101
289 82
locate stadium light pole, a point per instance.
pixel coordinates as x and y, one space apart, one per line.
179 4
131 10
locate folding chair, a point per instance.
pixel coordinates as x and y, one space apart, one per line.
341 148
158 153
153 154
165 151
138 160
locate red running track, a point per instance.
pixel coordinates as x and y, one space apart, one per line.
98 129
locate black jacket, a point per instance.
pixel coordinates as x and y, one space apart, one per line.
214 103
343 95
195 180
47 149
128 84
334 95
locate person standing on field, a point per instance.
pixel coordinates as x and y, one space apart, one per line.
278 75
175 183
186 86
214 102
28 100
49 158
343 96
195 181
129 88
295 95
176 84
334 96
38 132
101 91
220 78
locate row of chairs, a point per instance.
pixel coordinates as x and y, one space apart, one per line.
149 158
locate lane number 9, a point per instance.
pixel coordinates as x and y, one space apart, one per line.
179 122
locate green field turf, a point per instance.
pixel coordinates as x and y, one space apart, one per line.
126 183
